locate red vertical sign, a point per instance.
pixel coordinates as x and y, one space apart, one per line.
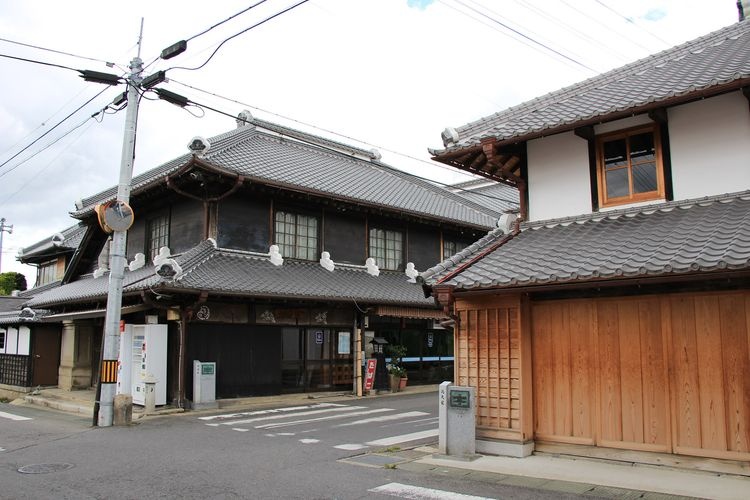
370 373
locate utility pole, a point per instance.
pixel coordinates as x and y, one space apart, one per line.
4 228
111 349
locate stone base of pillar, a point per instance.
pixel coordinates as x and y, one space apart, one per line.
505 448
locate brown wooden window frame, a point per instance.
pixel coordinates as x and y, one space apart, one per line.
157 235
294 229
657 194
381 246
46 273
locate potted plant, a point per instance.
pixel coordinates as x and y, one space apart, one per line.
395 369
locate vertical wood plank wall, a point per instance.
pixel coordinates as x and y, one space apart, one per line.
656 373
490 357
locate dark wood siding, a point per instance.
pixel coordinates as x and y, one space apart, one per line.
137 236
424 247
186 225
244 224
344 238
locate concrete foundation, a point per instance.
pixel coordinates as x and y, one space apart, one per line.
505 448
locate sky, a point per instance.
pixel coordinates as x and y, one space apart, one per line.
385 74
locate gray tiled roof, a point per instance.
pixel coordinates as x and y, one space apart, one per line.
692 236
714 60
228 272
72 237
493 195
302 161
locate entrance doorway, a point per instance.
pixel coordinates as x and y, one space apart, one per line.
316 359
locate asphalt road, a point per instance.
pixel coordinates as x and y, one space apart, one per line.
358 448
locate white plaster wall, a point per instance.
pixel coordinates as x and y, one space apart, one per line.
558 171
11 341
24 340
710 145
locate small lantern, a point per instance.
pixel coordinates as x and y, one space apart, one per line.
378 344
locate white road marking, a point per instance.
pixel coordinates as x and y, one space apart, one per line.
384 418
302 413
13 417
239 429
403 438
309 441
2 449
418 493
429 421
285 433
329 417
351 447
268 412
213 425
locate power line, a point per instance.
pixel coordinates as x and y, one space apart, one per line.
225 20
109 64
630 20
240 33
338 134
38 62
523 35
47 132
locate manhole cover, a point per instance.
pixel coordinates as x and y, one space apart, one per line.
44 468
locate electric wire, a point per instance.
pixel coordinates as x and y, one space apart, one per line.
240 33
338 134
44 169
225 20
382 165
631 21
47 132
108 63
582 35
38 62
523 35
598 21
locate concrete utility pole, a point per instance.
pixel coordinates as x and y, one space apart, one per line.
111 349
4 228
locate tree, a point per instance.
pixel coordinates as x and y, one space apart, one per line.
12 281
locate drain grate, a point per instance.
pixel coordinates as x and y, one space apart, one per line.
44 468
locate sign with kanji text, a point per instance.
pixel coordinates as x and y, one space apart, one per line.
370 373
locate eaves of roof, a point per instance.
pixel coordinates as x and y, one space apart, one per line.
692 237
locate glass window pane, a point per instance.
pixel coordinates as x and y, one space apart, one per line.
644 177
642 148
615 153
617 183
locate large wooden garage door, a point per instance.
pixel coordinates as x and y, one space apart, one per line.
662 373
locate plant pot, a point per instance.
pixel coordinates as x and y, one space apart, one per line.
395 382
402 383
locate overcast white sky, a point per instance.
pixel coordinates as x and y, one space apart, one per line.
391 73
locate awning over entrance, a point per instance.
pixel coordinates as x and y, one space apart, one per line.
92 313
410 312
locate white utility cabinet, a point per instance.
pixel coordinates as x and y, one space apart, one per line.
143 351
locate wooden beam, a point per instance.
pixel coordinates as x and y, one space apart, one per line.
585 133
658 115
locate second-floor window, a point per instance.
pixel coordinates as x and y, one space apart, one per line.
387 248
452 247
629 167
297 235
47 273
157 235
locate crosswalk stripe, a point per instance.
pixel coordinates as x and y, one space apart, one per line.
384 418
403 438
351 446
268 412
13 417
239 429
419 493
302 413
329 417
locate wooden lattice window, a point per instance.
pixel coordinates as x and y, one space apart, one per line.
387 248
297 235
158 235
